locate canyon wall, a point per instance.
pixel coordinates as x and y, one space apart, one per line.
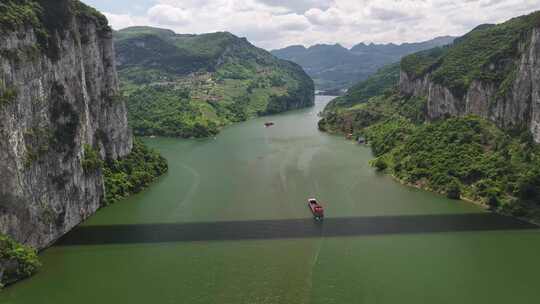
516 107
59 105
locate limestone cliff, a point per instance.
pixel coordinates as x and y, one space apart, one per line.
58 104
492 72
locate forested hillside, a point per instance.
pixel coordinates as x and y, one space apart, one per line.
192 85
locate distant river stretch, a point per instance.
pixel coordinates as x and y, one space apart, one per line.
230 224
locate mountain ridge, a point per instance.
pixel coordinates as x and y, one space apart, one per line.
334 67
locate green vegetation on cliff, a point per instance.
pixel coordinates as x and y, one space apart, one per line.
91 160
132 173
192 85
16 261
7 95
47 18
421 63
487 53
15 13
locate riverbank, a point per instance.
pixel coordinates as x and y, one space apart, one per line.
477 203
17 262
433 158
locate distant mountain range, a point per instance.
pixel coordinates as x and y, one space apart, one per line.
334 67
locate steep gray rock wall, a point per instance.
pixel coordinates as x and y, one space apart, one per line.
519 107
58 106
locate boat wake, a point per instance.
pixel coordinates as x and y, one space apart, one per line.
180 209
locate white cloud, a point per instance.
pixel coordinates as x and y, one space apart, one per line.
278 23
169 15
119 21
330 17
299 6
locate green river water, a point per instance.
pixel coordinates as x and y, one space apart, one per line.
229 224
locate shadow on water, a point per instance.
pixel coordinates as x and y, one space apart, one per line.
289 228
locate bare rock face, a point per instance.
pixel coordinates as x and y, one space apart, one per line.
56 104
520 107
413 86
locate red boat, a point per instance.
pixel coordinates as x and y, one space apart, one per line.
316 209
268 124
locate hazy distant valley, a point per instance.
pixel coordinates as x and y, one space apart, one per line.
335 68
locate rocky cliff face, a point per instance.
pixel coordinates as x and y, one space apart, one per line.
59 99
512 104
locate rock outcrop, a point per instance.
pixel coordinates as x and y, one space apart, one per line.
512 103
59 99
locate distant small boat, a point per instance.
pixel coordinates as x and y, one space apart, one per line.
269 124
316 209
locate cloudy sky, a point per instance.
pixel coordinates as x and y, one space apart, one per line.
277 23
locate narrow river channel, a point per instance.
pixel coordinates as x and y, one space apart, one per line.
230 224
